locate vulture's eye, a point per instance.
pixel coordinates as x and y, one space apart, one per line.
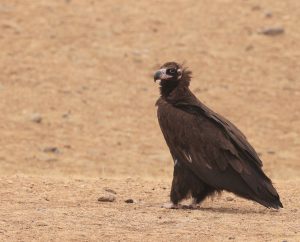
172 71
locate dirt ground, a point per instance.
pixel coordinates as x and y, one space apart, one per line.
78 116
57 209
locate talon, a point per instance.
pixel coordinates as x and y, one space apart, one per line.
193 206
170 206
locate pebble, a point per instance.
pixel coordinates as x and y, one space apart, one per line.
256 8
51 149
249 47
229 199
41 224
129 200
65 115
36 118
110 190
107 198
268 14
272 31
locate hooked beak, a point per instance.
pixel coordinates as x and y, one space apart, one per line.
157 75
161 75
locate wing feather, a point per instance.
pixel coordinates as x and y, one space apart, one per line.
214 149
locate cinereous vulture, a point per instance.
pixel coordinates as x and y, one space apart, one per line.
210 153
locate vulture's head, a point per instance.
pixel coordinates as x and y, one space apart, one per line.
170 75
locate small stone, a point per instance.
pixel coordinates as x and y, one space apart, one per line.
107 198
249 47
110 190
272 31
230 238
229 199
129 200
51 149
271 152
268 14
36 118
41 224
256 8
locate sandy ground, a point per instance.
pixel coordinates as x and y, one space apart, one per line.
67 209
77 115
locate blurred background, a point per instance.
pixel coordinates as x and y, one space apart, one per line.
77 92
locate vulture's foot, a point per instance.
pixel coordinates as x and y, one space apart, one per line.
171 206
191 206
179 206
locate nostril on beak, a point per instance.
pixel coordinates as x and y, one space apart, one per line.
157 75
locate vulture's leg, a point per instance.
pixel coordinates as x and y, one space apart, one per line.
185 182
180 184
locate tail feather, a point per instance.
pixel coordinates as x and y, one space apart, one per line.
262 190
275 203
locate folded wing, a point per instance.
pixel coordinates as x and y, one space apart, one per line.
216 151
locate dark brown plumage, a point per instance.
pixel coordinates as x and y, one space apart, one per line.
210 153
